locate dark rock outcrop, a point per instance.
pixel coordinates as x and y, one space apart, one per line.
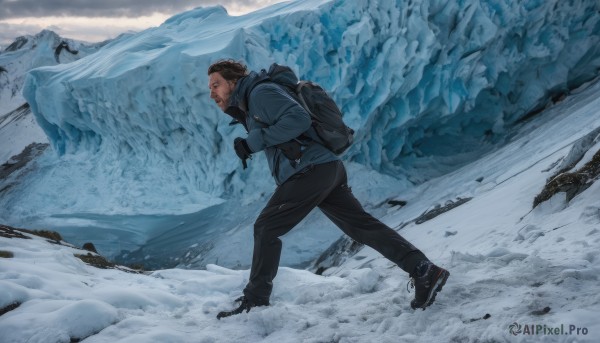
9 308
338 252
450 204
572 183
6 254
19 161
17 44
90 247
63 45
91 258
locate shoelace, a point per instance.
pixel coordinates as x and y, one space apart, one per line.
411 283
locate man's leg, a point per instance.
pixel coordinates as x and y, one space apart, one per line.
348 214
290 203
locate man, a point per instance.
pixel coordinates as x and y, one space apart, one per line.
308 175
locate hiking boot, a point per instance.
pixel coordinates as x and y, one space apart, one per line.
427 285
245 304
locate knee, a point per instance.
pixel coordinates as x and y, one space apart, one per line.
259 230
262 232
265 235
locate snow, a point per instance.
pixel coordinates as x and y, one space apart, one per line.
509 265
440 95
18 129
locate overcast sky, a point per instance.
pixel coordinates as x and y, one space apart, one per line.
97 20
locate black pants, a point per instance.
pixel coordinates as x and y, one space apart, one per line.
325 186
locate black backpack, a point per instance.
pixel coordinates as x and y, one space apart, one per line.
326 116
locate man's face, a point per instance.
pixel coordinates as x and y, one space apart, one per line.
220 90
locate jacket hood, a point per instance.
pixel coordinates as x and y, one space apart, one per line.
238 102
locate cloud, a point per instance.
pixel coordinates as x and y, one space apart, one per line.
98 20
110 8
8 32
80 28
90 8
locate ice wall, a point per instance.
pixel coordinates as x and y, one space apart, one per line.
426 85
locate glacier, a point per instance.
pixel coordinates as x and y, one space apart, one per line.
427 85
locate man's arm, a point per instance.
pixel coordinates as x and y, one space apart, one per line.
285 118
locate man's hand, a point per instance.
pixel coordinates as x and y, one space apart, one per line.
242 150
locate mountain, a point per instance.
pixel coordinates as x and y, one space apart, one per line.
142 160
18 127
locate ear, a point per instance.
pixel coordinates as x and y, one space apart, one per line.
232 84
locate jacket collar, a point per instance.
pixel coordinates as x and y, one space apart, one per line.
238 102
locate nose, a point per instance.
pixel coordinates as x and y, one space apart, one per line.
212 94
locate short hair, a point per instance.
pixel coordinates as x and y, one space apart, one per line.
231 70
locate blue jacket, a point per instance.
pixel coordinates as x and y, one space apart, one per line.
271 117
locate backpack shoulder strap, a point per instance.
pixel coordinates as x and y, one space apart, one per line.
299 86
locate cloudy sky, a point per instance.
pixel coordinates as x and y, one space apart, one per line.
97 20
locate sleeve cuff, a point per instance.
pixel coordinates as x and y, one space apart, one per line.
255 140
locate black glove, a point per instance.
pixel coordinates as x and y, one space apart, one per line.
242 150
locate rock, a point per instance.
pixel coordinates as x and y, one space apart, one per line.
90 247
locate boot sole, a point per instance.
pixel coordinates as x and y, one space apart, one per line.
439 284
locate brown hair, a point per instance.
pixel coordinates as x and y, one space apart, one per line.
231 70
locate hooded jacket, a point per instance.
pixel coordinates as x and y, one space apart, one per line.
272 117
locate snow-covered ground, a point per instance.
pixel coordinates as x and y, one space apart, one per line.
511 267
